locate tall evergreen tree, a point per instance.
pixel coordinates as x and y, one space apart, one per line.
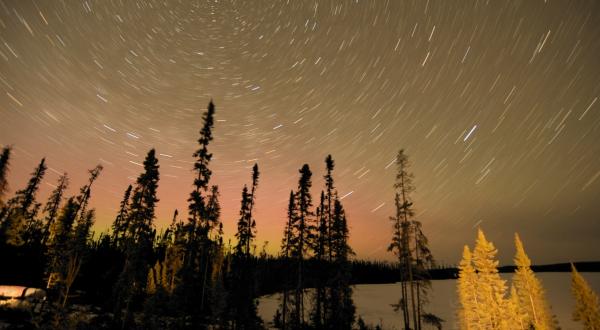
329 197
19 224
121 222
68 246
323 261
491 289
410 245
303 235
78 250
467 292
244 230
58 254
531 296
4 163
251 221
286 253
139 239
299 238
202 229
85 191
340 310
423 261
587 305
242 303
53 205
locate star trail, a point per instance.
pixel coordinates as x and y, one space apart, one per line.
495 102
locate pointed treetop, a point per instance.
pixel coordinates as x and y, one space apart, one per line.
329 163
521 258
255 174
466 253
587 304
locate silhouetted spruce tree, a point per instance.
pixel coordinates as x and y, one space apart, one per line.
302 236
175 252
323 246
244 234
400 244
58 258
410 244
329 196
423 261
78 250
203 233
251 222
67 244
53 205
322 242
242 303
286 253
139 241
121 222
19 224
4 163
340 310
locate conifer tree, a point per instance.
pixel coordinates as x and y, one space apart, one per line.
410 246
322 242
423 261
4 163
329 196
68 245
514 317
286 253
491 288
467 292
530 292
58 254
242 294
203 222
251 222
587 305
53 205
302 236
19 224
85 192
139 240
340 310
243 234
121 222
174 253
78 250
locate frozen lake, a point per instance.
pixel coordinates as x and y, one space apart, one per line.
373 301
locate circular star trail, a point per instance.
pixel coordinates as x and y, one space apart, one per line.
495 102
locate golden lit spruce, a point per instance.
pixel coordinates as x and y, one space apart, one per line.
467 292
531 294
587 307
490 287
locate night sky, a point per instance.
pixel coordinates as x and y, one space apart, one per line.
495 102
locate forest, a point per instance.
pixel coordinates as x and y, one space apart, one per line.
137 276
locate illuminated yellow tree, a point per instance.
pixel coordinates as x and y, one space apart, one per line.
490 287
587 307
531 294
514 317
467 292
